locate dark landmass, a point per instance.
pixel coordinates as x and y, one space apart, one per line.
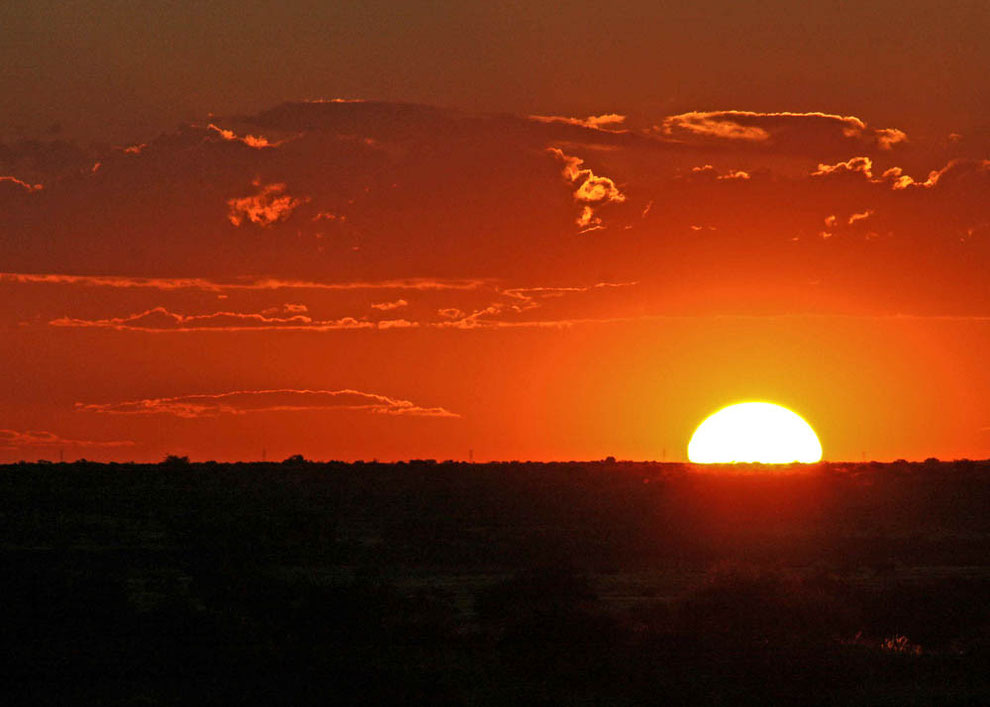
449 583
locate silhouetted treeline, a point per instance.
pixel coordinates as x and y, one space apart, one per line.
451 583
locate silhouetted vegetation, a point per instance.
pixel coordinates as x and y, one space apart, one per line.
300 582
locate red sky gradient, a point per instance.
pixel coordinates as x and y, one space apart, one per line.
485 257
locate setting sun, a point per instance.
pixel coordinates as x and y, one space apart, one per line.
754 432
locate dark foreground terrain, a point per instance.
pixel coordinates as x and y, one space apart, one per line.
595 583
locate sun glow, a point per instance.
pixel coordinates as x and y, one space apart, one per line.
754 432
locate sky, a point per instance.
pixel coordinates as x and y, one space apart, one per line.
390 230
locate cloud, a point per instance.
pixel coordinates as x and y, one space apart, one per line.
162 215
834 223
785 128
12 439
256 141
531 295
593 122
716 125
515 301
206 284
955 173
269 205
596 189
123 282
736 174
862 167
510 301
15 185
854 165
896 177
44 161
478 324
709 171
587 220
334 100
388 306
160 319
240 402
958 173
591 188
396 324
13 190
888 137
861 216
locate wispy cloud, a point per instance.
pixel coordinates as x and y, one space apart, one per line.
32 439
515 301
396 324
256 141
209 285
710 172
389 306
509 302
607 122
159 319
334 100
240 402
859 216
13 184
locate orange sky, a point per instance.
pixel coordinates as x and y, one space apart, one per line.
541 273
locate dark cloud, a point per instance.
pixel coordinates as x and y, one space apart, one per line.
41 161
346 196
